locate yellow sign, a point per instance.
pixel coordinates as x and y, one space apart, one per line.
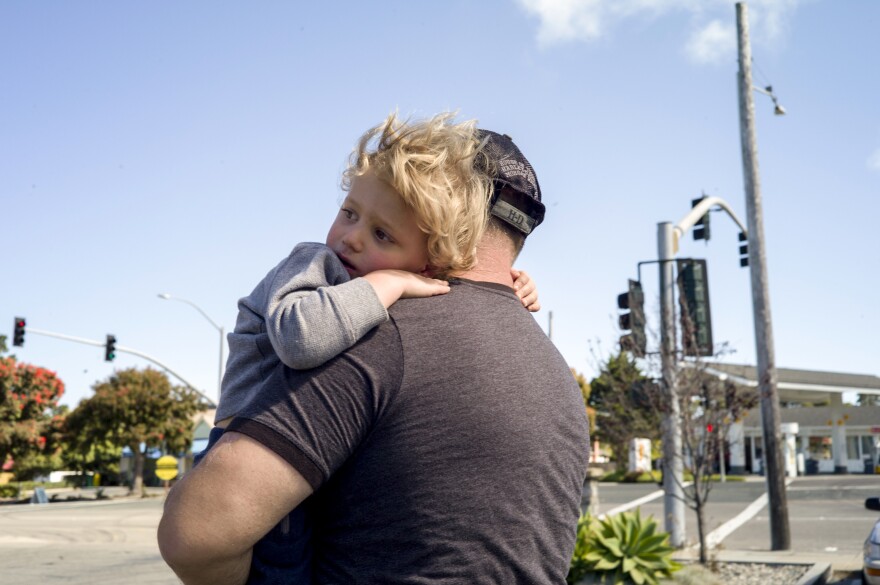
166 467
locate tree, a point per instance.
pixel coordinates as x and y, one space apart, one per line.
29 416
84 453
130 409
624 411
708 406
585 393
47 457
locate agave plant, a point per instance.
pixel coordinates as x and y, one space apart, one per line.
622 549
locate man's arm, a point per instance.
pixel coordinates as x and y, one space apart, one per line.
217 512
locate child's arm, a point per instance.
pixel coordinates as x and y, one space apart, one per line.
314 312
526 290
392 285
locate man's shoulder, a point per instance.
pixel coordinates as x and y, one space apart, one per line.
464 295
470 313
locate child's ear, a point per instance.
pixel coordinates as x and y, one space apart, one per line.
428 271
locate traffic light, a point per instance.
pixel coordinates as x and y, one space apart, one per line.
18 332
633 299
743 250
696 317
110 348
701 228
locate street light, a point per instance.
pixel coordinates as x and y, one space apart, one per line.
219 328
768 91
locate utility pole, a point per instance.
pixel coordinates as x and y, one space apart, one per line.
780 535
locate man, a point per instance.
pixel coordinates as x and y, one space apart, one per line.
448 446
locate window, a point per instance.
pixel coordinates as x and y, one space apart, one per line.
852 448
820 447
868 449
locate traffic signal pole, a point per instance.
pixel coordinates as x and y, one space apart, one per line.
122 348
673 466
668 237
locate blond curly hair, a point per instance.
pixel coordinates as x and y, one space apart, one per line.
430 163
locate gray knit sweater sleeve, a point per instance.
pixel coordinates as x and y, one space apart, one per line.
314 311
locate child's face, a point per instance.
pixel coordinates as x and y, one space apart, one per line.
375 230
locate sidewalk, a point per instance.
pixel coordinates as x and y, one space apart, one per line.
738 524
71 494
837 561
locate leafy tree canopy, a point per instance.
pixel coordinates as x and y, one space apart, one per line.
621 395
585 393
29 412
132 408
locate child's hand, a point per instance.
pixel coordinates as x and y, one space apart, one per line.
416 286
526 290
391 285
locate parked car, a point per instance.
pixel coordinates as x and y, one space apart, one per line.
871 571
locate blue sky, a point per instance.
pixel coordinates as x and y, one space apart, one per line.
186 147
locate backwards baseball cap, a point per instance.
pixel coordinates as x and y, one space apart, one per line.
516 198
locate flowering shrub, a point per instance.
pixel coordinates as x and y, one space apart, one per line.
30 418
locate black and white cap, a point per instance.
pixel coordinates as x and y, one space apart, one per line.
517 195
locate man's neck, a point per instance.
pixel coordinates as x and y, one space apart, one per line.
494 262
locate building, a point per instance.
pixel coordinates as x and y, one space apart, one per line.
821 434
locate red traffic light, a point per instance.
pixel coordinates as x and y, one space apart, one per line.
18 332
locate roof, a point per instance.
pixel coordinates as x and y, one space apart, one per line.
795 385
822 416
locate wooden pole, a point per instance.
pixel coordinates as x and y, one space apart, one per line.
780 535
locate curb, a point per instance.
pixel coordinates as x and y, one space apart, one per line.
817 575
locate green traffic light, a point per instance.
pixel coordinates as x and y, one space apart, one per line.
110 348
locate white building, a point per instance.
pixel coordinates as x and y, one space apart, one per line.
830 438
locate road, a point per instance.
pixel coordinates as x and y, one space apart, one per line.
101 542
113 541
827 515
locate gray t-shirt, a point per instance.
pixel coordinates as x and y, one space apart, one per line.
448 446
305 311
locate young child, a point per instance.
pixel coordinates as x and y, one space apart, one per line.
415 210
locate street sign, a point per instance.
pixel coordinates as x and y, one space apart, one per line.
166 467
39 496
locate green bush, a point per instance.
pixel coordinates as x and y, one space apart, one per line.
9 490
621 549
613 476
29 485
632 476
